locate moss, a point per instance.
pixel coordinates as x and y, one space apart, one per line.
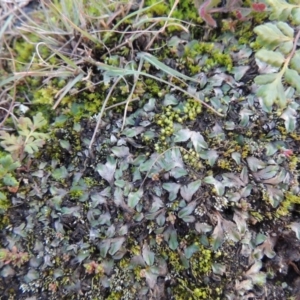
92 104
192 159
4 221
45 96
287 205
124 263
159 9
4 203
165 120
185 10
201 262
115 296
89 181
184 290
192 109
24 51
214 56
76 192
293 163
175 261
245 151
224 164
152 86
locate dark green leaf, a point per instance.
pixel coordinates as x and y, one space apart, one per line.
121 151
217 235
148 255
198 141
134 131
107 171
295 226
172 188
60 173
218 268
204 240
134 198
116 245
290 118
8 164
260 238
173 243
103 247
188 219
65 144
150 105
189 251
187 191
182 135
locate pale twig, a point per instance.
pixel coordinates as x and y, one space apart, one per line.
291 54
136 77
9 113
135 35
121 103
14 86
141 5
38 53
163 28
102 112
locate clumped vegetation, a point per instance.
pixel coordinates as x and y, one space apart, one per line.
149 150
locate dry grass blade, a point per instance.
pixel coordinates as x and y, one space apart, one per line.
70 25
5 26
118 71
134 14
136 77
67 88
102 112
63 57
163 28
161 66
115 71
14 88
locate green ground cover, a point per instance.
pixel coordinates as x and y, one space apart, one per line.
149 149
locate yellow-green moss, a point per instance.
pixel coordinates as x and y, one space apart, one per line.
201 262
192 159
287 205
114 296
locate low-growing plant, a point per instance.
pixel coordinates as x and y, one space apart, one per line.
167 200
278 42
209 7
13 257
28 140
7 179
93 268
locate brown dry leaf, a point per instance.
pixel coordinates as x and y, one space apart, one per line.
13 189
